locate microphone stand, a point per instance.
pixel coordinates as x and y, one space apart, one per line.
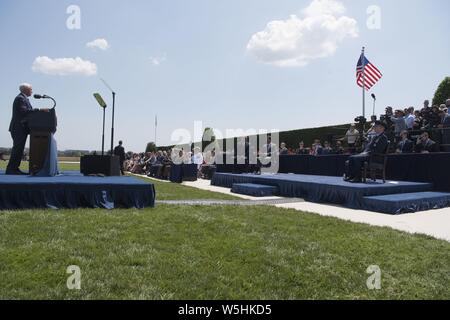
113 110
374 102
54 102
103 133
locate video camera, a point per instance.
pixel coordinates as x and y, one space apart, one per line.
360 120
386 117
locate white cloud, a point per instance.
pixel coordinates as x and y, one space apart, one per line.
297 41
101 44
64 66
156 61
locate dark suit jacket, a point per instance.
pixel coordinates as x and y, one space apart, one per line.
120 151
21 108
430 146
378 144
406 147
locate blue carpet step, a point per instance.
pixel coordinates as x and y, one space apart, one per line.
407 202
254 190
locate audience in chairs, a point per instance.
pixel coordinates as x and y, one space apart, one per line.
301 149
416 131
425 144
405 145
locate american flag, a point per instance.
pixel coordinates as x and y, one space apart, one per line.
372 74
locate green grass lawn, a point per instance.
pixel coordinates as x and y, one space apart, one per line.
62 166
174 191
213 253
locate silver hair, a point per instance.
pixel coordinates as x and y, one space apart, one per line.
24 86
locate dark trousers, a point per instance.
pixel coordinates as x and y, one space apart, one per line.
355 164
19 140
122 162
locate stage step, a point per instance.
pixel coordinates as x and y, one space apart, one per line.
254 190
407 202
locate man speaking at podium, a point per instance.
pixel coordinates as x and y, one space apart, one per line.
18 128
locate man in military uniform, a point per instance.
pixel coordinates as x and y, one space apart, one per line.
377 145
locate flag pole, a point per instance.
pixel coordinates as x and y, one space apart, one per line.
156 125
363 61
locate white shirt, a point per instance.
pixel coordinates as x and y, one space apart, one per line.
198 159
352 136
410 121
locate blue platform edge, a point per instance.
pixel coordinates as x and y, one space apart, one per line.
408 202
332 190
254 190
71 190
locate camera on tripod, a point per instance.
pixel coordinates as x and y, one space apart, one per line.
361 121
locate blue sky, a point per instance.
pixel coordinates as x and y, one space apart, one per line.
206 69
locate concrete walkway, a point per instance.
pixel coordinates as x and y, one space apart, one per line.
435 223
241 203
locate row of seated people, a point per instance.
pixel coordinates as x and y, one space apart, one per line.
316 149
408 143
158 164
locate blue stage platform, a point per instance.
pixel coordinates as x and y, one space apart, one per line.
254 190
73 190
407 202
333 190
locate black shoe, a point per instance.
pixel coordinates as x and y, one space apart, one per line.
347 179
356 180
15 173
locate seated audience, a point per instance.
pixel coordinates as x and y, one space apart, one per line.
283 150
339 149
405 145
425 144
327 148
316 148
301 149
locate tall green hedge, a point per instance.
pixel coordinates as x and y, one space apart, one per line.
442 92
293 137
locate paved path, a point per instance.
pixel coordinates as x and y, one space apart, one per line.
228 202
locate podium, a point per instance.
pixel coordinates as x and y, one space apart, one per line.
42 126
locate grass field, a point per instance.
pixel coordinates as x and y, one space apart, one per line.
212 252
62 166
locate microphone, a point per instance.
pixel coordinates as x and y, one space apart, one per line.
38 96
43 96
374 97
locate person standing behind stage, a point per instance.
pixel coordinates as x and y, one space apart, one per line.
120 152
18 128
352 136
